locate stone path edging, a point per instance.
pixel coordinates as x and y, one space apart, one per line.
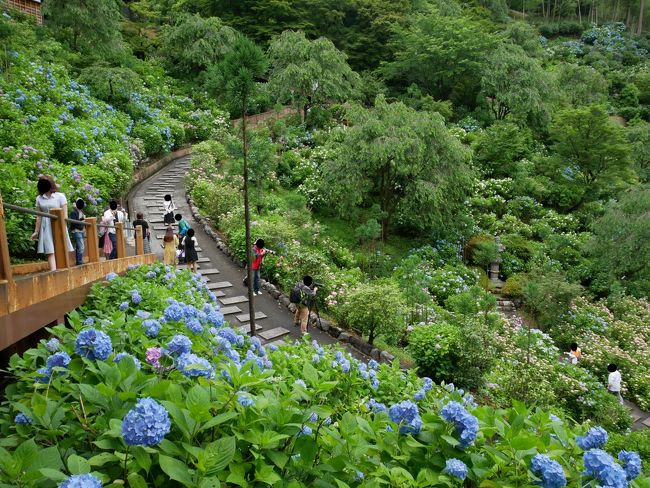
341 335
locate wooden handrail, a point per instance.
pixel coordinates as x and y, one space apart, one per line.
5 261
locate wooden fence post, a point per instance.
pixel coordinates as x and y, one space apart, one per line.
139 242
91 240
5 261
121 244
59 235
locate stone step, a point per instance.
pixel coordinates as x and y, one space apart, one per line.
186 266
231 300
219 284
245 317
646 422
203 260
274 334
246 328
219 293
230 310
278 343
149 198
210 271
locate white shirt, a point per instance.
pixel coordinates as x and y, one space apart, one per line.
614 382
108 218
169 206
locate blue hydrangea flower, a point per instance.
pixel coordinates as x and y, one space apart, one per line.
602 467
136 298
274 348
419 395
194 325
407 416
81 481
111 276
123 355
372 364
58 360
594 439
345 366
456 468
306 430
93 344
124 306
374 384
231 336
174 312
146 424
327 421
245 400
313 417
150 274
376 406
466 424
22 419
43 375
52 345
191 365
427 384
631 464
179 344
142 314
358 476
89 321
554 418
151 327
314 359
549 471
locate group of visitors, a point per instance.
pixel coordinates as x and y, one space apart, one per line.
614 379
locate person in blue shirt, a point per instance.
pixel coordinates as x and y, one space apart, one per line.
183 226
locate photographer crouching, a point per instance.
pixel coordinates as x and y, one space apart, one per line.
259 251
303 295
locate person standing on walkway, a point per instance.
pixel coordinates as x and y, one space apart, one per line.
168 208
170 243
47 199
189 246
575 353
183 226
146 233
78 231
117 216
614 381
260 252
306 298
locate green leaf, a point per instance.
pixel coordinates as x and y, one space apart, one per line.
450 440
211 482
50 457
78 465
102 458
310 373
175 469
266 474
219 454
26 454
136 481
142 457
279 458
198 403
93 396
219 419
53 474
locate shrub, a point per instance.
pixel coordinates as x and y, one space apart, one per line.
549 295
515 285
432 348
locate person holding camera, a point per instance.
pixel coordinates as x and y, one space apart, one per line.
303 294
260 252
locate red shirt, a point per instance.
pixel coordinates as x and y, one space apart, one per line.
259 257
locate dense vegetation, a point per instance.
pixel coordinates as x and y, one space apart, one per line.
149 390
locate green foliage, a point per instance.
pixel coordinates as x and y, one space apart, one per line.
113 85
376 309
515 285
500 146
619 245
309 73
638 441
549 295
581 85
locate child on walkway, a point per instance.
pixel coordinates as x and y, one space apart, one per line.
614 381
189 245
307 296
575 354
170 243
183 226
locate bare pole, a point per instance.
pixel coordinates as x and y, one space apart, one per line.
247 219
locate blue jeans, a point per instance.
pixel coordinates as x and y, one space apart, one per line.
113 239
256 280
79 246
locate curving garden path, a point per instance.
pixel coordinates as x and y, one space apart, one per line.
274 322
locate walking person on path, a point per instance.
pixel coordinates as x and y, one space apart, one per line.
78 231
170 243
116 216
47 199
183 226
189 244
307 295
614 381
168 207
260 252
575 353
146 233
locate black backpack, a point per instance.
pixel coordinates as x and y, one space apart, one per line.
296 295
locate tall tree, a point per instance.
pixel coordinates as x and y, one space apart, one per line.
515 84
86 24
236 76
309 73
403 160
592 147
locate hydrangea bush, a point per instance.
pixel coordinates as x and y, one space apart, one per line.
298 415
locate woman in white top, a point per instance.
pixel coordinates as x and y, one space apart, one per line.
47 199
168 207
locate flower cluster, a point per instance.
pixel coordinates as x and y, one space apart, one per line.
594 439
456 468
179 344
151 327
376 406
245 400
146 424
631 464
549 471
191 365
466 424
93 344
407 416
602 467
81 481
122 355
22 419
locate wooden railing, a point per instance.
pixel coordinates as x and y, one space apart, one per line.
28 303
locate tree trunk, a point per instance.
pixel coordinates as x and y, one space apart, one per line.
639 26
247 223
579 13
371 335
